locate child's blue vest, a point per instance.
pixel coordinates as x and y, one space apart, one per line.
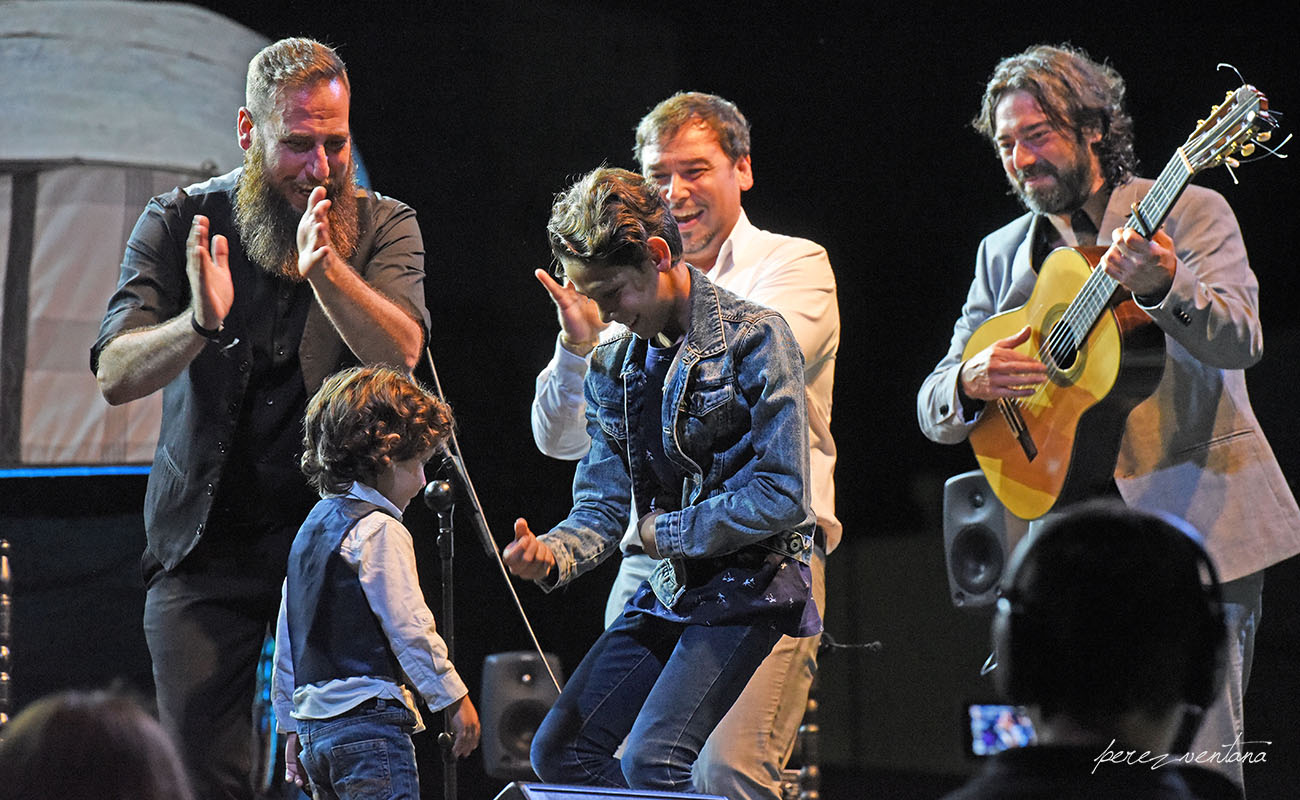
333 632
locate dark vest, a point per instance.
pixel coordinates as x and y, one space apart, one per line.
333 632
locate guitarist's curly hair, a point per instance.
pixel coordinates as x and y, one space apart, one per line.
1076 93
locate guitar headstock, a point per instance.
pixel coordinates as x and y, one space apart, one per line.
1233 128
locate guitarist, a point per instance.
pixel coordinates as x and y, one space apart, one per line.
1194 448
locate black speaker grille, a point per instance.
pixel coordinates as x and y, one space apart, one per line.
977 559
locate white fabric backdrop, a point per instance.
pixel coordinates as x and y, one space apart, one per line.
108 103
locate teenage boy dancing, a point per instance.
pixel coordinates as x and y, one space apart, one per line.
697 418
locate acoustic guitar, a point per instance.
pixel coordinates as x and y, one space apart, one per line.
1103 353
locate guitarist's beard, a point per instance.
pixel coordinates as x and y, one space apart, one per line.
1067 192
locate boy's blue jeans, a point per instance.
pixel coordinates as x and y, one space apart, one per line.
364 754
662 685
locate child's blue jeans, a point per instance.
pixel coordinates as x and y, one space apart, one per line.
364 754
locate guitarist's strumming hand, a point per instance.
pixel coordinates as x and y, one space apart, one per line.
1144 267
1000 370
526 556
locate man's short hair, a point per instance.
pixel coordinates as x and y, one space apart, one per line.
1109 610
607 217
289 64
1076 93
363 419
695 108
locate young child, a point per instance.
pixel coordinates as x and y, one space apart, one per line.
697 421
354 631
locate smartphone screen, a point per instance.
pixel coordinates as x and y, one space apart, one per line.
993 728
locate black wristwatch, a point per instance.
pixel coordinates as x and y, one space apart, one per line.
211 334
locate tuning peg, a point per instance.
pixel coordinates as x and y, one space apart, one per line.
1232 162
1263 136
1247 149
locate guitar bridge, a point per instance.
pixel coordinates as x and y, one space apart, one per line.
1011 413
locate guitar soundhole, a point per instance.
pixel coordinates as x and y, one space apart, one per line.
1060 350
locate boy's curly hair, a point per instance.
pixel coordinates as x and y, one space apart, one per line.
363 419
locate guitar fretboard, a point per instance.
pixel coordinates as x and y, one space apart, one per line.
1069 332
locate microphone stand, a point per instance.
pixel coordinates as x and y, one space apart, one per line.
460 485
440 497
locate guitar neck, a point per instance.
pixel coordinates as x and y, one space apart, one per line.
1149 214
1146 219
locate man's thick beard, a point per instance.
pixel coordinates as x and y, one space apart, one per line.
1071 189
268 224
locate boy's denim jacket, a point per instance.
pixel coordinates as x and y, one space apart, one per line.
739 430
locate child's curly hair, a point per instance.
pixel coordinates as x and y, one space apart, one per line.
363 419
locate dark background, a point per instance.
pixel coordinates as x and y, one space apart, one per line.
476 114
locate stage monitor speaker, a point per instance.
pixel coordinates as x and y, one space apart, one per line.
978 535
517 693
546 791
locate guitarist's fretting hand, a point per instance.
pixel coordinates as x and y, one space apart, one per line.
1000 370
1145 268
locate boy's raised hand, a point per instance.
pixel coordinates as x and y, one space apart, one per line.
526 556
